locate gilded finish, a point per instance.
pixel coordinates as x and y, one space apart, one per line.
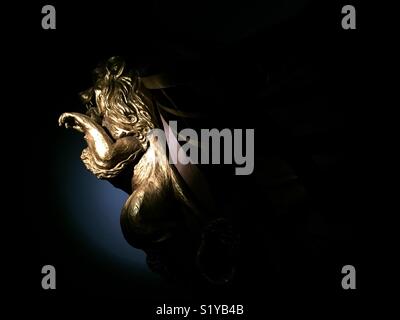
120 113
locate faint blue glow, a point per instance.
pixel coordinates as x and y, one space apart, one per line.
93 207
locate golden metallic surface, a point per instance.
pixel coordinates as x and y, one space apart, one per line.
120 114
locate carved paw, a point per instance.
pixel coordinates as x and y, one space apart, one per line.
71 120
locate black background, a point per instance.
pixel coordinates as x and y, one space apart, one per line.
285 68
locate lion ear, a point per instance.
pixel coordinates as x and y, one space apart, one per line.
115 66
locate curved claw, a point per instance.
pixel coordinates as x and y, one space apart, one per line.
62 119
69 121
